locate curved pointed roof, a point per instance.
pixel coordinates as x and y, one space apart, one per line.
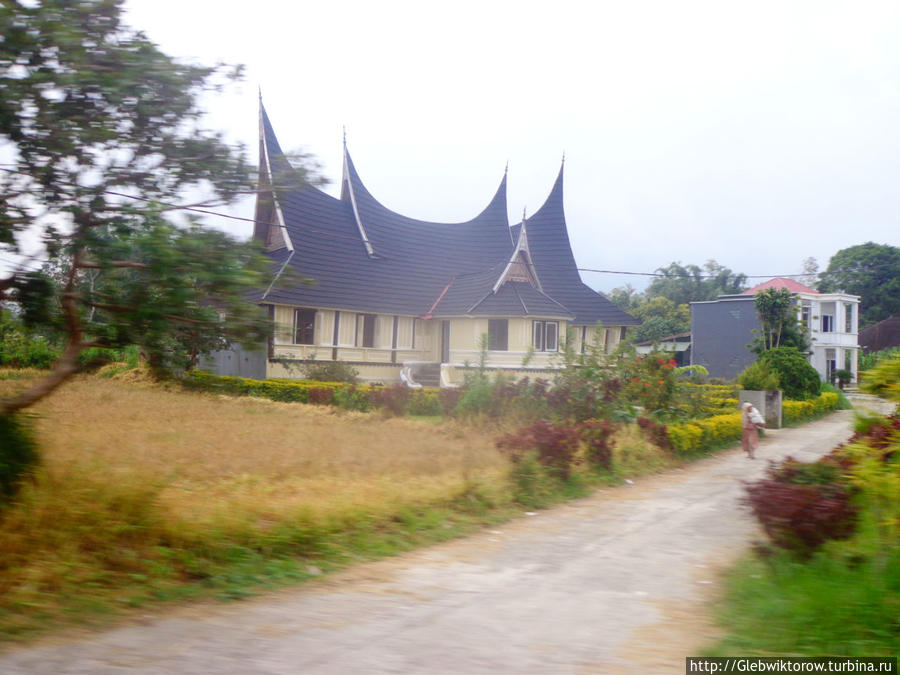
551 251
361 256
412 260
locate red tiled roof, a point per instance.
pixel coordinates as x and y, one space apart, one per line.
781 282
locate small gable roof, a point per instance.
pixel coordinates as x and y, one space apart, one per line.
778 283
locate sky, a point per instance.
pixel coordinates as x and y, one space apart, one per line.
755 134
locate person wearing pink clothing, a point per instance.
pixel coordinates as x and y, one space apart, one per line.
751 422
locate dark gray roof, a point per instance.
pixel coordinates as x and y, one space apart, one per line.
548 240
419 267
473 295
882 335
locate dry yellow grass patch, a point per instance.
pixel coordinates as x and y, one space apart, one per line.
215 456
633 454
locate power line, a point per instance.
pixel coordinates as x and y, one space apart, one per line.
658 275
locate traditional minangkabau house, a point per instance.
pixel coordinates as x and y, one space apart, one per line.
407 300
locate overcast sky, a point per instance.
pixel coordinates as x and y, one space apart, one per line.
755 133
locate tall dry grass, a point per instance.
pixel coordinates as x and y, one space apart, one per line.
142 486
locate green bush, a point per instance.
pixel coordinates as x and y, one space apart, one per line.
872 359
798 380
843 403
758 376
424 403
884 378
329 371
352 398
18 454
18 350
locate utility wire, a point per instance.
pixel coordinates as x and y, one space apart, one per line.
659 275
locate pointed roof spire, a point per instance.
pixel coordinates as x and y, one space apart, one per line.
348 193
520 266
269 215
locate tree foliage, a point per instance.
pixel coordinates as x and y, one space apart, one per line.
664 308
106 136
684 284
660 318
797 379
776 308
871 271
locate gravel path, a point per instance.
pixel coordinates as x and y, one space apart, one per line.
617 582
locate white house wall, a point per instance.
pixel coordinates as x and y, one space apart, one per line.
844 343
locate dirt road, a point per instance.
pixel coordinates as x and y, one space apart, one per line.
618 582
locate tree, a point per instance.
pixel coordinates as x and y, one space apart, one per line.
871 271
778 318
106 137
660 318
810 272
684 284
625 297
797 379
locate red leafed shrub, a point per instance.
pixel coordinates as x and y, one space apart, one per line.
597 435
657 433
880 433
321 396
393 399
556 446
801 506
448 399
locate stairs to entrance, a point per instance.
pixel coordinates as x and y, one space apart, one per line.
423 374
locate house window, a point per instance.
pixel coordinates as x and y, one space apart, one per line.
365 330
545 336
304 326
270 342
498 335
827 323
805 313
830 364
848 318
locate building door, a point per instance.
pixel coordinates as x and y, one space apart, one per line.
445 342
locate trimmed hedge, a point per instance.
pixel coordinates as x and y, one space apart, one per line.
298 391
342 394
794 412
705 434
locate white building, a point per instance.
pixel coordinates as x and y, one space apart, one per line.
832 322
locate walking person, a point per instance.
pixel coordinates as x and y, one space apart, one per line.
751 422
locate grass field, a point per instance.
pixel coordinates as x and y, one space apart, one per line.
147 494
150 494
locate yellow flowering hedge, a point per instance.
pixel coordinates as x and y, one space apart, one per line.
719 430
705 400
301 391
793 412
705 434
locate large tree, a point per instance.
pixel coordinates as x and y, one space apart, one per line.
660 318
689 283
103 137
777 311
871 271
